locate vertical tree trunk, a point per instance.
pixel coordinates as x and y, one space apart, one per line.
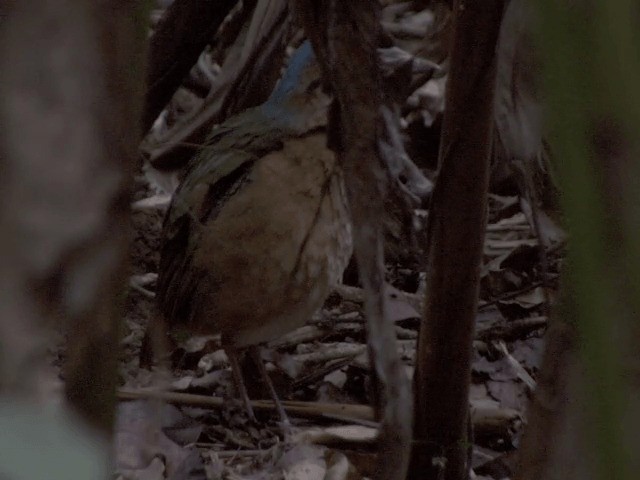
94 333
456 236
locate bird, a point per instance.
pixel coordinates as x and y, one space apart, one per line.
258 231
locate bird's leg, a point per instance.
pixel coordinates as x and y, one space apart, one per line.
254 351
232 353
156 344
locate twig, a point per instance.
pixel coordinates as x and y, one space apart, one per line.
515 364
486 421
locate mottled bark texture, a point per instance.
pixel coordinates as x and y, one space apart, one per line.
456 234
345 36
71 75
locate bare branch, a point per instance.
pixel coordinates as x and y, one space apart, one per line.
345 36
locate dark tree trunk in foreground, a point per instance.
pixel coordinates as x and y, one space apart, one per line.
456 235
71 79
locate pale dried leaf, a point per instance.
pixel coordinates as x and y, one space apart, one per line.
156 202
518 111
139 437
304 462
160 181
550 231
523 375
213 361
339 467
531 299
349 434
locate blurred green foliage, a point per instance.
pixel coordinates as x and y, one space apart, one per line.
592 74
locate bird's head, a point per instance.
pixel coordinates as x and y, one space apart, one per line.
298 99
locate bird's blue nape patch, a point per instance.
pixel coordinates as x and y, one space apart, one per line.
300 61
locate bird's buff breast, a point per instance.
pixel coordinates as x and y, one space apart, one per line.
277 246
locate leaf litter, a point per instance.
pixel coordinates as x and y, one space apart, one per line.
322 370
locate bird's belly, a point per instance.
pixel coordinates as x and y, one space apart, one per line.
277 247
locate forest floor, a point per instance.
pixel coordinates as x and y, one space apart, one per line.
324 365
321 371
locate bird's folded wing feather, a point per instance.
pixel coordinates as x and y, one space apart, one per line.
215 174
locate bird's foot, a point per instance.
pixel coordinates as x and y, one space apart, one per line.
254 351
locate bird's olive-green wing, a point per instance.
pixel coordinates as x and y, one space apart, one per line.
215 174
200 196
